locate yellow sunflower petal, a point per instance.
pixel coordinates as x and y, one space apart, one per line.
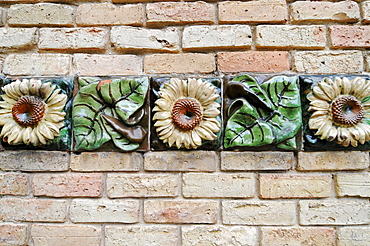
162 104
40 137
354 142
166 122
362 135
5 118
54 128
162 115
8 127
346 89
35 85
319 105
24 87
324 128
365 91
319 93
205 133
55 116
9 101
343 134
327 89
315 123
210 100
212 112
213 120
366 129
354 132
179 140
15 135
335 87
187 140
172 138
46 90
26 136
45 131
167 132
196 138
193 85
332 134
203 90
210 125
319 113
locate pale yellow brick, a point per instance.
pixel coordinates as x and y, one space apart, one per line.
61 235
15 184
40 14
353 236
97 14
11 234
338 160
365 11
2 16
258 213
17 38
208 185
353 184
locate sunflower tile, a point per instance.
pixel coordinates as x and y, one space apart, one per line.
262 113
35 113
186 113
111 114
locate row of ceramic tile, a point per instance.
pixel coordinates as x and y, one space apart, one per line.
243 113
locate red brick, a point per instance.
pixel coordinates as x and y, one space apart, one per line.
13 234
13 184
350 36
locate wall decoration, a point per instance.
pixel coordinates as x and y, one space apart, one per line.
110 114
263 116
186 113
34 113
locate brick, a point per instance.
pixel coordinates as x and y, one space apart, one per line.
344 11
253 161
142 185
34 161
258 213
106 161
142 39
280 36
104 211
353 184
367 59
350 36
17 38
179 63
273 11
77 39
327 161
335 212
2 16
42 64
253 61
95 65
68 185
32 210
14 184
180 211
223 235
169 13
365 7
141 235
40 14
181 161
218 185
353 236
318 236
97 14
13 234
209 37
59 235
328 62
274 186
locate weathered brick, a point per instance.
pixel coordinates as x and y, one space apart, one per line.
274 186
17 38
353 236
141 235
339 160
208 185
244 161
328 62
29 210
2 16
77 39
318 236
68 185
365 7
353 184
222 235
15 184
143 39
37 64
273 11
258 213
142 185
13 234
40 14
210 37
167 13
94 65
106 161
109 14
180 211
344 11
60 235
280 36
350 36
253 61
104 211
181 161
34 161
179 63
334 212
367 59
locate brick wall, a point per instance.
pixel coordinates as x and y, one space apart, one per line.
175 197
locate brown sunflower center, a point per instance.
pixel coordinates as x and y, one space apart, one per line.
347 111
186 113
28 111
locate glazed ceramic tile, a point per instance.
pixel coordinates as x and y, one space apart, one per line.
186 113
35 113
336 112
111 114
263 114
